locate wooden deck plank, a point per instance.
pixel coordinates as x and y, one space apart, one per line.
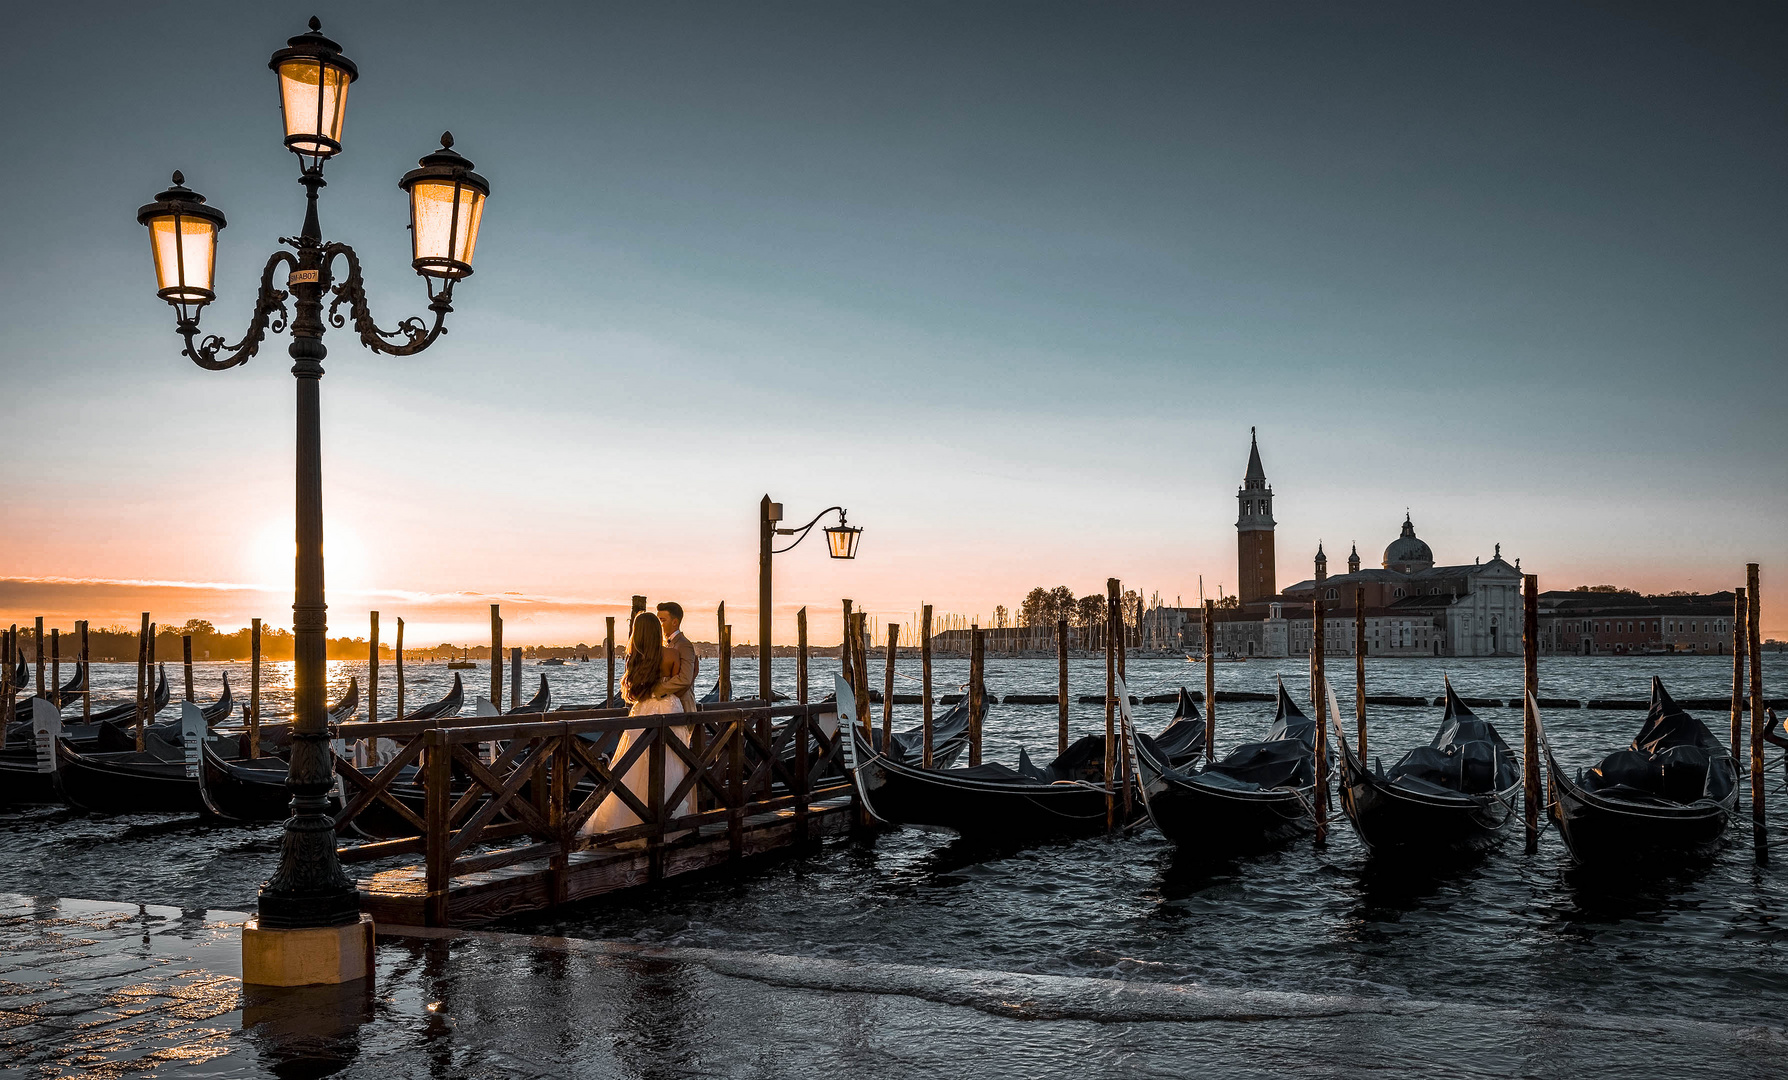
399 896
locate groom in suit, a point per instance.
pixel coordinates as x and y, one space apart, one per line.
682 684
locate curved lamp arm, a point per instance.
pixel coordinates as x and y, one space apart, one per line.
270 300
411 335
800 533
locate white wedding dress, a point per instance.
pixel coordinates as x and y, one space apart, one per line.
615 814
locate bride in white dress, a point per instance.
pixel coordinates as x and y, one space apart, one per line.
649 666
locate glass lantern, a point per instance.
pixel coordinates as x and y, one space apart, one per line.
183 236
313 93
446 208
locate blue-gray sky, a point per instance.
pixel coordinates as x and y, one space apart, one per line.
1010 281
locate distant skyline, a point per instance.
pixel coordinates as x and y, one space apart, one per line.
1009 282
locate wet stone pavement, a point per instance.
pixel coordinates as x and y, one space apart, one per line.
94 989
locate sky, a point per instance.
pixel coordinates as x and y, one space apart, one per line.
1009 282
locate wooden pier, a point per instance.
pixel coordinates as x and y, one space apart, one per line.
497 810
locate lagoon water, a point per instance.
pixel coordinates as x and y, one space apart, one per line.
1507 940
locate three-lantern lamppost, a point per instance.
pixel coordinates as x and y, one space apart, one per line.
309 889
841 543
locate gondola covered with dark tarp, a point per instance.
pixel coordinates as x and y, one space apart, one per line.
1258 794
994 801
1669 793
1456 793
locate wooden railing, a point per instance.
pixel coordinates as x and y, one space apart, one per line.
474 794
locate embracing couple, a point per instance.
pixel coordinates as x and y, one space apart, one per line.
659 678
661 664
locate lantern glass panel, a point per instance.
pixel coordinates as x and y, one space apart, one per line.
185 257
843 541
445 216
313 95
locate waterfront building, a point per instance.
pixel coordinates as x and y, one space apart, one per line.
1606 622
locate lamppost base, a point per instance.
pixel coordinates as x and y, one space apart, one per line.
317 956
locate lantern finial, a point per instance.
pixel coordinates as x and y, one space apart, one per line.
446 140
316 24
179 178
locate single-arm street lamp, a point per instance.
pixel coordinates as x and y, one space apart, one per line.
841 542
309 889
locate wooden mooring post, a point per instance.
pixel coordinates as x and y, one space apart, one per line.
1530 720
254 688
372 670
496 656
1061 686
977 691
397 657
55 667
1210 681
862 671
143 672
1112 617
1319 691
6 694
186 663
1753 628
608 653
801 656
724 687
38 647
1741 613
847 655
888 685
515 676
87 677
1359 668
925 683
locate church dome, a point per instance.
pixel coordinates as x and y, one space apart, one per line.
1408 553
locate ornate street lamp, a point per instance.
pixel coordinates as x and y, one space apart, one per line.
841 541
309 889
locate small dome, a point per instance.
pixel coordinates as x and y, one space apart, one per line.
1407 552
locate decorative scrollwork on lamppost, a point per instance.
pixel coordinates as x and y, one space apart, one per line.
841 543
309 889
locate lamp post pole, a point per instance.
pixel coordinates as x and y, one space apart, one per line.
309 889
768 513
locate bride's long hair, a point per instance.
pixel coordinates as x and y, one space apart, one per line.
645 658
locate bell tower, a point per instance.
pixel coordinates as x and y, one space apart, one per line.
1256 572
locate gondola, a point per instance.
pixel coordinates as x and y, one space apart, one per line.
70 694
127 712
712 697
121 737
993 801
1456 793
541 702
152 780
448 705
67 696
1258 795
1669 794
20 780
254 789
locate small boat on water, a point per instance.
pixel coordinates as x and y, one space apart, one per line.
448 705
1458 792
254 789
464 663
1258 795
998 802
1669 794
551 661
69 694
22 782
